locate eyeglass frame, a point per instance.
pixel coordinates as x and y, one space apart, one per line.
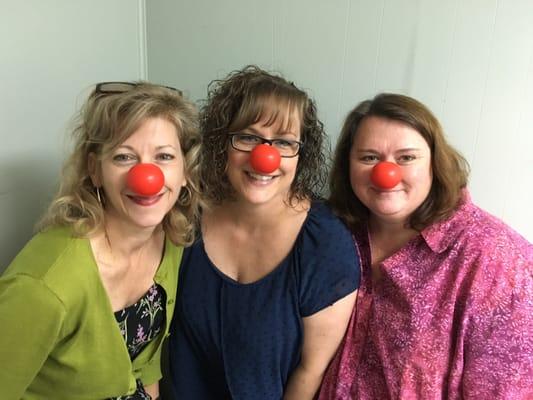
263 140
132 85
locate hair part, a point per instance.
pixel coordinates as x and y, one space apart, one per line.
103 123
449 168
244 98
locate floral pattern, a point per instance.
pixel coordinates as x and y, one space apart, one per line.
450 318
139 324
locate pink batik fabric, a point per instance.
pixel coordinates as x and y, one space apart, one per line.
451 317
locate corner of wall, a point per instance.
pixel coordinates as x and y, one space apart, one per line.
143 53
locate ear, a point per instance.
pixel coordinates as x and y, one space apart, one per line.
93 166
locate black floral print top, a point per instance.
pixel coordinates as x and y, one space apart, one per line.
139 324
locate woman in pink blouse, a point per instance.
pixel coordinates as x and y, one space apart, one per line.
445 306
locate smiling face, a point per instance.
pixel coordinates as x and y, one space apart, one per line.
380 139
252 187
155 141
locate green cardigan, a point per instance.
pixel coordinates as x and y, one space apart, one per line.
58 335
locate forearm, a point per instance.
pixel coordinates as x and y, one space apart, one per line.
303 384
323 332
153 390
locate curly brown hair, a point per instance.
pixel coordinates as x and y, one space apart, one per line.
243 98
103 123
450 169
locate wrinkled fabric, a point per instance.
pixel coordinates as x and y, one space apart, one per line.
450 318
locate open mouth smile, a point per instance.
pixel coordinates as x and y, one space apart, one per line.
259 177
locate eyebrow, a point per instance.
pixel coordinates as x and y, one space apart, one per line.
157 147
404 150
280 133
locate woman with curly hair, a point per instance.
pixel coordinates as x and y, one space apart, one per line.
84 307
265 293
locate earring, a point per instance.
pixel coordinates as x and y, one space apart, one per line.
185 196
98 196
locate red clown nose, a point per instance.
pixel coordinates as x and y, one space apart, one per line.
145 179
265 158
386 175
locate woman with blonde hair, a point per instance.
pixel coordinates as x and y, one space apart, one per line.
85 306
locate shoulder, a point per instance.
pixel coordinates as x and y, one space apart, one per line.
493 240
322 223
486 252
478 235
328 266
57 260
43 252
323 234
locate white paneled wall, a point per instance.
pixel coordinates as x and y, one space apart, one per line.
470 61
51 53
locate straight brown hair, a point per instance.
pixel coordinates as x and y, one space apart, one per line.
450 169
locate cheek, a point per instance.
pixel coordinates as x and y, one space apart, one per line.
358 178
236 159
420 176
423 172
290 165
115 178
175 176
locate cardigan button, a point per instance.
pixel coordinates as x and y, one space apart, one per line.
170 301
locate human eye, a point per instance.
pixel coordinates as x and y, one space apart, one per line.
284 144
405 158
123 158
369 158
248 139
165 157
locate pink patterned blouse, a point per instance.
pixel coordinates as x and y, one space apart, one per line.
451 318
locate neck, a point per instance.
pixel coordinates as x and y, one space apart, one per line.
127 240
258 217
394 232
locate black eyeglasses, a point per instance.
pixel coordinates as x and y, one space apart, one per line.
122 87
246 142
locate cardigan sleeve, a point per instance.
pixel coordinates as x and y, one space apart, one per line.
30 321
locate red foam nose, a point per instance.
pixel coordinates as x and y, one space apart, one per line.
145 179
386 175
265 158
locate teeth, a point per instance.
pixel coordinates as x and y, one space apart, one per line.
260 177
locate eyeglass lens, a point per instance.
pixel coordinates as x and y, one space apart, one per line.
247 142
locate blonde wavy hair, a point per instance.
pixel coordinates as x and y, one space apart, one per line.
104 122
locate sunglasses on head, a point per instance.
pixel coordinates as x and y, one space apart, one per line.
122 87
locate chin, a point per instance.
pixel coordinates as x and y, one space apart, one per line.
257 202
148 223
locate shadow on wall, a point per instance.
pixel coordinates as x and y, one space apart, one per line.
27 185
